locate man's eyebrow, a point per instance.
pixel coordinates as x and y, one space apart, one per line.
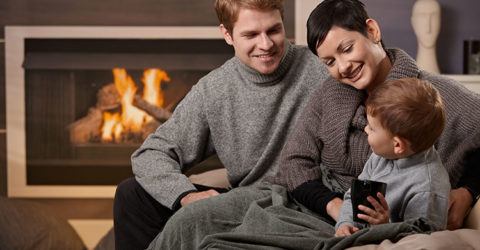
278 25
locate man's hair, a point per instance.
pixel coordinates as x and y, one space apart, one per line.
227 10
409 108
347 14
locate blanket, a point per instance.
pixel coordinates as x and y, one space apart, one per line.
278 222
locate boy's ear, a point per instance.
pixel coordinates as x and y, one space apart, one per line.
226 35
400 145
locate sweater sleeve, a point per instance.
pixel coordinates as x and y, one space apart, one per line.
428 205
346 212
300 158
178 144
471 174
315 196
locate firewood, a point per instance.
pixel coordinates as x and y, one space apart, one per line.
160 114
86 128
108 98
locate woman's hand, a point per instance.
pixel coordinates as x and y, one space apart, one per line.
333 208
345 230
380 215
459 203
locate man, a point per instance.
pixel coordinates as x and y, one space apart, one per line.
241 111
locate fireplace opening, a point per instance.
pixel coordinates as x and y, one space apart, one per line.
79 94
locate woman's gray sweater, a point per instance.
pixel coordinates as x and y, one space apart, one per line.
330 131
234 111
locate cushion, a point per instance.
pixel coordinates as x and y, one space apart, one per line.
457 239
29 225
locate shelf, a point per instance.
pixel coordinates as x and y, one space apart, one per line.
471 82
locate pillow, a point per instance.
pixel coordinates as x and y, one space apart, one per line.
28 225
107 242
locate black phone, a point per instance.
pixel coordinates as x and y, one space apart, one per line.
360 190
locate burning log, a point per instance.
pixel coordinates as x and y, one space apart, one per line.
108 98
86 128
160 114
122 116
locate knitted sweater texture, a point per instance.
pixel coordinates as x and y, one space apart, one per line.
417 186
234 111
330 130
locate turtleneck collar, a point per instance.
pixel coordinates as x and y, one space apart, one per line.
415 159
274 77
403 66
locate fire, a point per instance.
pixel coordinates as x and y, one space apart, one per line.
152 82
112 126
131 119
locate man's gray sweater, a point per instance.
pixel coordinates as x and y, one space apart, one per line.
234 111
417 186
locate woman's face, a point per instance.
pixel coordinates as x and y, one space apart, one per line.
353 58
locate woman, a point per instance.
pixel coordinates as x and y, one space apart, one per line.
329 147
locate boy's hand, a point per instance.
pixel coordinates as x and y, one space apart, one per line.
378 216
345 230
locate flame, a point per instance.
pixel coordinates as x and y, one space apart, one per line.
152 80
131 118
111 122
152 83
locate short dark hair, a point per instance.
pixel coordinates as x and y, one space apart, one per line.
347 14
410 108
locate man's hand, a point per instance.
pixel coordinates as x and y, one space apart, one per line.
333 208
380 215
459 203
196 196
345 230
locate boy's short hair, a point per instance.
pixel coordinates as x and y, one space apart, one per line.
227 10
409 108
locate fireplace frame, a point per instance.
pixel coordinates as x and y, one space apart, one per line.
15 37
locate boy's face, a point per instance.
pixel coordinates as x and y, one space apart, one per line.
258 38
381 140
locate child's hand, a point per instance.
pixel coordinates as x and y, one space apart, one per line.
378 216
345 230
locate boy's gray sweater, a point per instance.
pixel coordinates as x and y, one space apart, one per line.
234 111
417 186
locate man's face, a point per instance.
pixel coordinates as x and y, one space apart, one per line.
258 38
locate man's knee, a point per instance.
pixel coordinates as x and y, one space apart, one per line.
128 196
128 190
192 212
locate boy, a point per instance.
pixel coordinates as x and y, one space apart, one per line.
405 118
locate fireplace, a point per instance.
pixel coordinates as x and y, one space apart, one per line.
80 100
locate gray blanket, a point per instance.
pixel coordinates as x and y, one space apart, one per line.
275 221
